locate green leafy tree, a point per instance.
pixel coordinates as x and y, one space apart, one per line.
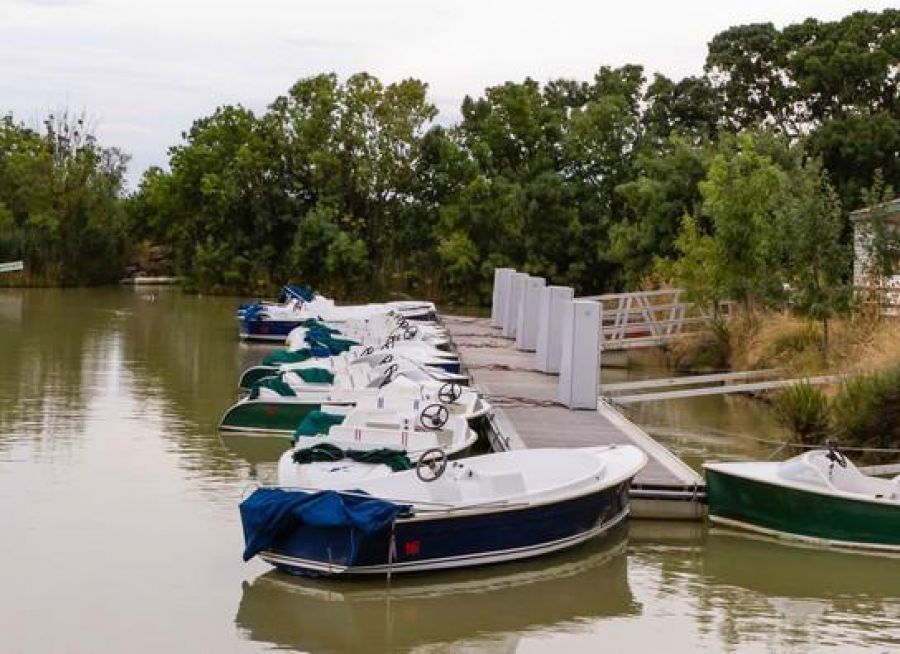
60 193
817 262
740 195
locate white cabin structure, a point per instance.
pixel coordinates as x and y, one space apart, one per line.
863 276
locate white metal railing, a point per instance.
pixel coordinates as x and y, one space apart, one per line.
650 318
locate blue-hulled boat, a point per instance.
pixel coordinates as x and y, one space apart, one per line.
273 321
482 510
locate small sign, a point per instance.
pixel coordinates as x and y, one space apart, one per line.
12 266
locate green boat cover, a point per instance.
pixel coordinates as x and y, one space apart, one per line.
334 345
395 459
286 356
274 383
316 423
313 323
315 375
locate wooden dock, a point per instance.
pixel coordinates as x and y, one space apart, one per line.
528 414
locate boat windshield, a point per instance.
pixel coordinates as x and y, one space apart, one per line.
800 470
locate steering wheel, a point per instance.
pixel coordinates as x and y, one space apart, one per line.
431 464
389 373
367 351
387 345
434 416
387 359
410 332
450 392
836 456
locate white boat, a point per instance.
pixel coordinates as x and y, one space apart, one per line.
365 429
445 514
273 321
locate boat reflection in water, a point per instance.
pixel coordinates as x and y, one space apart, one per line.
805 594
493 605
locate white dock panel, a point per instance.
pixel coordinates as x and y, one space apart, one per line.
580 364
549 338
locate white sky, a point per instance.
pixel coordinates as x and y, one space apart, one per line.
145 69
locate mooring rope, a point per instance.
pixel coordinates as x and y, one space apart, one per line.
514 401
505 367
492 346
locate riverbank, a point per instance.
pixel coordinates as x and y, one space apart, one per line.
863 349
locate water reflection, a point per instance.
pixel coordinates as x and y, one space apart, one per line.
133 355
743 589
488 608
52 362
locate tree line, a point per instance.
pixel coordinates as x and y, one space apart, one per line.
736 182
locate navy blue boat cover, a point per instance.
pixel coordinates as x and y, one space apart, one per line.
271 512
297 292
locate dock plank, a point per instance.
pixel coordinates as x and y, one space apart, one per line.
530 415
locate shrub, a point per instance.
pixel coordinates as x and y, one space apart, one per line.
803 409
866 410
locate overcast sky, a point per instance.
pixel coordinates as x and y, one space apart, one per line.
145 69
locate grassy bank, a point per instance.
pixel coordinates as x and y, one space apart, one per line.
861 412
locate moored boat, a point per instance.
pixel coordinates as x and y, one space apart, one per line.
819 496
271 321
280 409
486 509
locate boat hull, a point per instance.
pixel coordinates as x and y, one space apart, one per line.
252 375
266 330
266 416
452 540
804 515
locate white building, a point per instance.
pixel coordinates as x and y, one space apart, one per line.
863 276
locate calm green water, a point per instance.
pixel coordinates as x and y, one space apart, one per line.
120 530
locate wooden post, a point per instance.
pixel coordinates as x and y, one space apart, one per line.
501 295
511 318
579 371
529 314
549 337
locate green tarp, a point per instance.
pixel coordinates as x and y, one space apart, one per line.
396 459
312 323
317 422
315 375
273 384
286 356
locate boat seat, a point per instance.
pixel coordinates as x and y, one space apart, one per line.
392 438
504 484
359 376
445 491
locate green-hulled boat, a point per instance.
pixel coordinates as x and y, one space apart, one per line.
818 497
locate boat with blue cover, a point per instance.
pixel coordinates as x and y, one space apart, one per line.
273 321
444 514
818 497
